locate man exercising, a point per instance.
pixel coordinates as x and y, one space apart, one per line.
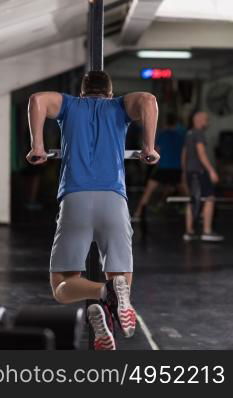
196 164
92 195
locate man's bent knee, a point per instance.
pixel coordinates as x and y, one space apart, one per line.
56 279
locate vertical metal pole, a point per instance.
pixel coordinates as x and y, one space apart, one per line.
89 38
98 35
95 61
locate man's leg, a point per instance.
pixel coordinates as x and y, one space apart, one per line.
189 220
208 211
189 223
117 298
208 214
72 242
114 239
151 186
127 275
69 287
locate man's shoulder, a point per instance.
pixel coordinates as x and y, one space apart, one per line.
69 98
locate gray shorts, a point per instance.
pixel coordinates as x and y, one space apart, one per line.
84 217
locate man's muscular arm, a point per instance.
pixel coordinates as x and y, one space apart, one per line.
41 106
143 107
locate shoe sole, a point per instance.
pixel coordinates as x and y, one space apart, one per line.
212 239
126 317
104 341
188 239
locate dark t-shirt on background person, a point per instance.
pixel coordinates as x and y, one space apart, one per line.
194 165
194 137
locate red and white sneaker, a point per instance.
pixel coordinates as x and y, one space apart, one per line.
118 301
102 325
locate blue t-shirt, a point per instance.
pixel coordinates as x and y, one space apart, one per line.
93 132
170 142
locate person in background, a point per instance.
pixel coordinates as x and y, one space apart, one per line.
168 172
196 164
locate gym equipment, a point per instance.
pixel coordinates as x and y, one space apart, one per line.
95 61
129 154
19 338
52 154
95 37
66 323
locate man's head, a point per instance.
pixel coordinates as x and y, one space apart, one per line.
96 83
200 120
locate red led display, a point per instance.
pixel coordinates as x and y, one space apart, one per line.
156 73
161 73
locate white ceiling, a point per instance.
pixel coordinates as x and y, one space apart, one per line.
140 16
42 38
31 24
218 10
26 25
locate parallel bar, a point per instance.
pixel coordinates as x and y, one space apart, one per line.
129 154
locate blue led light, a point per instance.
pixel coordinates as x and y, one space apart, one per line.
146 73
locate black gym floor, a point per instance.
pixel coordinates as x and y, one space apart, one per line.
182 291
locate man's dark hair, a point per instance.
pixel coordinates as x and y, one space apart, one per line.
171 119
96 83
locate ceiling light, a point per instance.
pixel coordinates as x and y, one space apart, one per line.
164 54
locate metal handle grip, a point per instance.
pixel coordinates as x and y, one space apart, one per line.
52 154
129 154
